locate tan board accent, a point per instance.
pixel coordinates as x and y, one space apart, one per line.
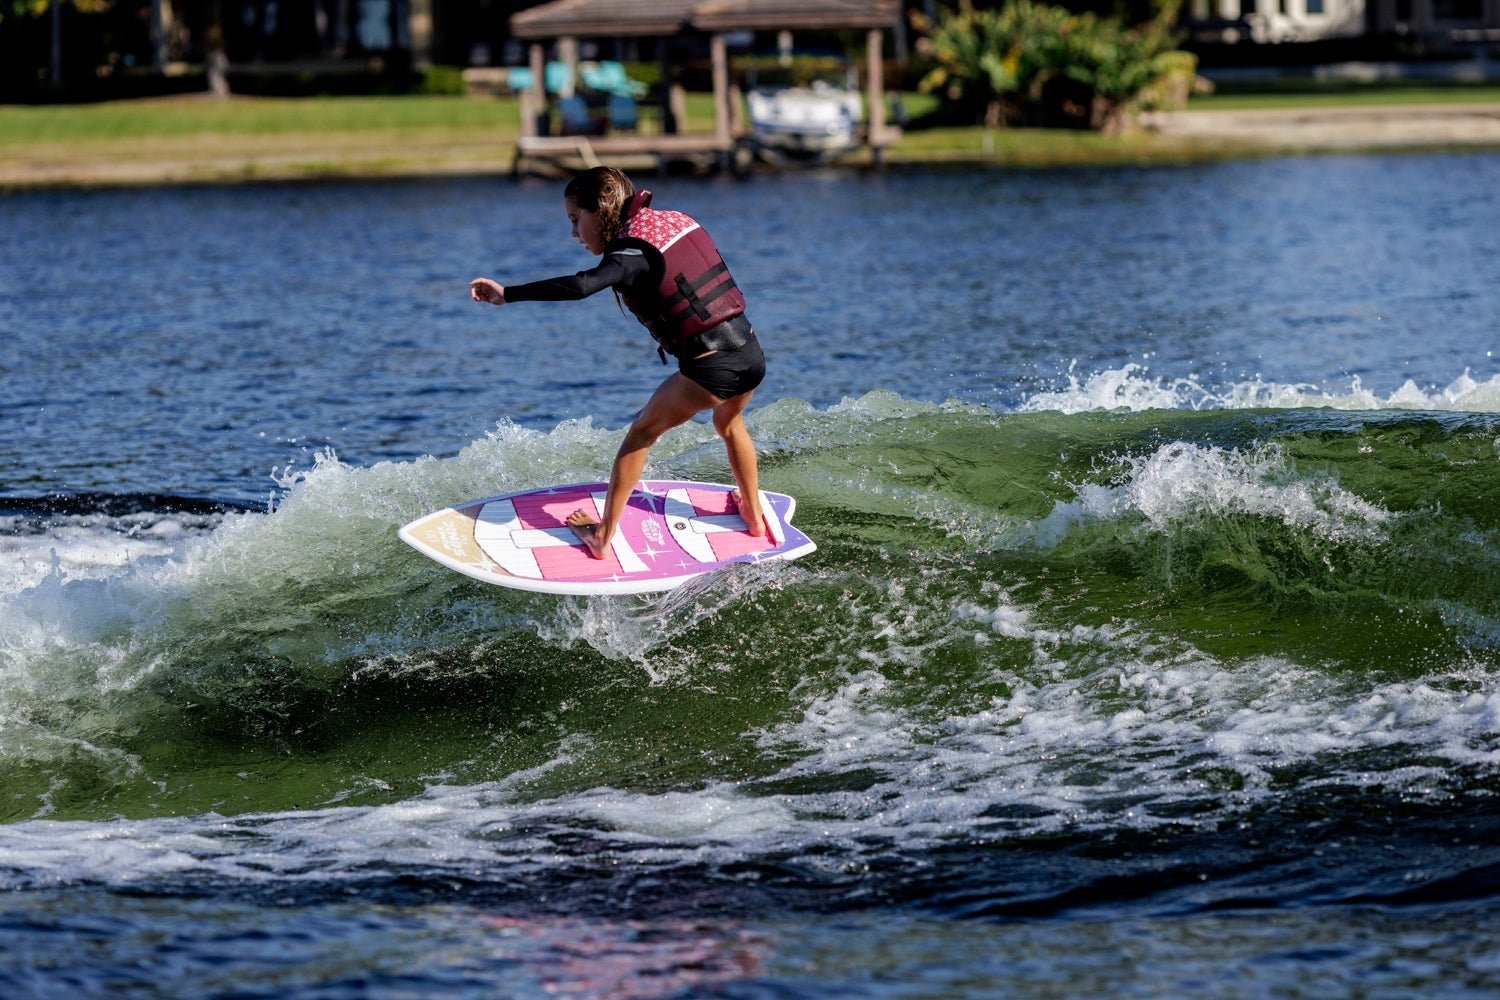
451 533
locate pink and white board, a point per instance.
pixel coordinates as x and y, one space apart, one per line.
672 531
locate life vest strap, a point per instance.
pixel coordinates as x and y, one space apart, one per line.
687 291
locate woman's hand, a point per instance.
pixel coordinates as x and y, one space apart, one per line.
487 290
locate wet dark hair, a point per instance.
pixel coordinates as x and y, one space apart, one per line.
604 190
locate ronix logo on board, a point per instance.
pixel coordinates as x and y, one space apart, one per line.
449 537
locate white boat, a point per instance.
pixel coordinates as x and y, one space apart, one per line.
814 119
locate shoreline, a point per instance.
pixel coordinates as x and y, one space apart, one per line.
1158 138
1336 128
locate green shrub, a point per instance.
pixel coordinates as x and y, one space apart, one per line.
445 80
1031 63
648 73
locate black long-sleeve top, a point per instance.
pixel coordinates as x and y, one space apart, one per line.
625 269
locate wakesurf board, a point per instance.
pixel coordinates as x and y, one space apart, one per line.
672 531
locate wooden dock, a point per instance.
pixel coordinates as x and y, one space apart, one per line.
557 156
728 146
566 154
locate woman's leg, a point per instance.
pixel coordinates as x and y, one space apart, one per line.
673 403
730 423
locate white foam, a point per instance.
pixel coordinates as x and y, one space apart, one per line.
1181 482
1075 726
1133 388
1103 724
95 604
717 814
460 828
90 548
1127 388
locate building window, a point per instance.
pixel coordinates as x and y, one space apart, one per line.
1314 8
1247 7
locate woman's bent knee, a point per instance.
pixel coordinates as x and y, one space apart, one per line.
641 436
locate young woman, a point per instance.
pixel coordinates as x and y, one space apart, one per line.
664 267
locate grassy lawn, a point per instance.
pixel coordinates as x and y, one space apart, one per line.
203 139
1033 147
926 141
1309 93
249 117
198 139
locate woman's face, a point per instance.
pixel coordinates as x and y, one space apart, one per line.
586 227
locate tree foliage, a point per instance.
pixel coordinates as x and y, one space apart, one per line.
1032 63
36 8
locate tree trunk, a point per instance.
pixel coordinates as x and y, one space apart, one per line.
57 73
1107 115
161 26
214 54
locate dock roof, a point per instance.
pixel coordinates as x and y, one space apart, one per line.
646 18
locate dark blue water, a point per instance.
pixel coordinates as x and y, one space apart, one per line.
1152 644
195 339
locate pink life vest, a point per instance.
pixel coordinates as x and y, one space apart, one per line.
696 290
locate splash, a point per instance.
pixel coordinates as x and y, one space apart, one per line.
1183 481
1133 388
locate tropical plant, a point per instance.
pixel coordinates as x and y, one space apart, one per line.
36 8
988 60
1033 63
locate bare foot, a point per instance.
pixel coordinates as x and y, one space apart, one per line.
755 522
586 527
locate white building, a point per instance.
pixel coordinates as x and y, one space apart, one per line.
1310 20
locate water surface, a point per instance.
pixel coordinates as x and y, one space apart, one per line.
1150 646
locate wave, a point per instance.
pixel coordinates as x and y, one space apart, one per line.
1023 621
1132 387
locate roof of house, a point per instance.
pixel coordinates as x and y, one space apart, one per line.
638 18
749 15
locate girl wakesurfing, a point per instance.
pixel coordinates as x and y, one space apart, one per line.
666 269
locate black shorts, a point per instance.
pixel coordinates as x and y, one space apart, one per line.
727 374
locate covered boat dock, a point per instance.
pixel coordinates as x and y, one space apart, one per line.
564 22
